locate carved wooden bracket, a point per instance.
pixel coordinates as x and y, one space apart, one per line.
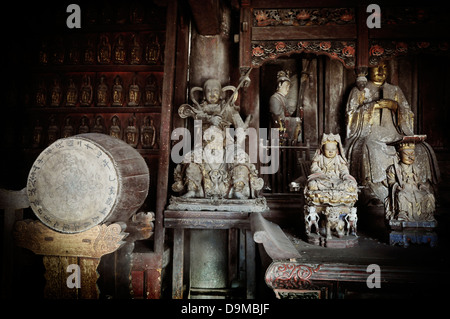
60 250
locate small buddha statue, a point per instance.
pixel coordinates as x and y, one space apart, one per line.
68 128
74 52
84 125
148 133
131 132
41 93
102 92
117 94
134 93
58 51
56 93
104 50
53 130
152 50
98 125
86 91
71 93
88 53
43 53
151 95
37 135
135 50
119 50
114 130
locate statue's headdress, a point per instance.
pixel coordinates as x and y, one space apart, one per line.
332 138
283 76
408 142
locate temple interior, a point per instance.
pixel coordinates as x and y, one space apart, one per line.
225 149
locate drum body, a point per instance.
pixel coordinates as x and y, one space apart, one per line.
84 180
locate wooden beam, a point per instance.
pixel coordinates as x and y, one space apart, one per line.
207 16
362 45
165 130
344 32
410 31
304 4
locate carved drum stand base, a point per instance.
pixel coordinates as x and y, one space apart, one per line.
404 233
60 250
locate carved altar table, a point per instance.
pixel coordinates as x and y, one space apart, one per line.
305 271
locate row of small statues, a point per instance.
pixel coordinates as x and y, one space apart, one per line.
122 51
104 95
132 134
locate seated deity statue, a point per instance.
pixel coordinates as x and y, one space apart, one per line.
378 114
411 196
330 182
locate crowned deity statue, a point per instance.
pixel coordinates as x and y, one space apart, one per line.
56 93
411 195
378 114
217 173
330 182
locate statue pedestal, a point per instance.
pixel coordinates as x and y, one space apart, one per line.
335 242
404 233
338 228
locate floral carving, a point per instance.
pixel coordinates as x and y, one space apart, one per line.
341 50
288 275
303 17
382 50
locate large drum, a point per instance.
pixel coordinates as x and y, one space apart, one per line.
81 181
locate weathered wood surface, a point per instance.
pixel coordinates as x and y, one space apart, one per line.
275 242
60 250
81 181
92 243
206 219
